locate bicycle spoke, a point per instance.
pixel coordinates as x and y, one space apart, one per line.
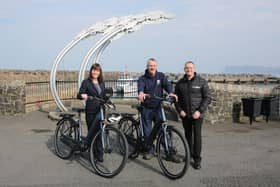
173 159
64 136
129 128
110 159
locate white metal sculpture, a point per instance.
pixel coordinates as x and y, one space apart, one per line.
111 29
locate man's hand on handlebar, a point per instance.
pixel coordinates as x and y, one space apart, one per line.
169 98
142 96
173 95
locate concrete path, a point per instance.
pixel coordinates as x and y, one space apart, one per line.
233 155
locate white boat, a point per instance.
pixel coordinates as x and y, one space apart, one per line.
126 84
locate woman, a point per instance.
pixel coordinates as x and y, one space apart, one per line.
93 86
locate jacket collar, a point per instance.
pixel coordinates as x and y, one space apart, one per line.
147 74
186 78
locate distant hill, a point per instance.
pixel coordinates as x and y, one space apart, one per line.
253 70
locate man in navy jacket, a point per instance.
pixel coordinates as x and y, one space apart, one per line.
152 83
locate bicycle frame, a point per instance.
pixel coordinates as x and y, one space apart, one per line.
155 131
80 127
102 127
101 122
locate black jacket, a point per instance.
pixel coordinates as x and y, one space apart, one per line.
153 86
193 95
87 87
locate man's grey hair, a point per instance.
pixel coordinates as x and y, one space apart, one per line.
189 62
151 60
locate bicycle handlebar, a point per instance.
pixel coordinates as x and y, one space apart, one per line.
104 102
169 99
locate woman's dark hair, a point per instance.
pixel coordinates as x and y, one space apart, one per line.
97 67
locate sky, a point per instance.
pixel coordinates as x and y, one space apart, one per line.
214 34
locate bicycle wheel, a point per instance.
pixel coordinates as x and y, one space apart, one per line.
173 153
108 156
128 126
65 136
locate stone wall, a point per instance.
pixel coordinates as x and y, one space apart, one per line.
226 100
12 97
276 92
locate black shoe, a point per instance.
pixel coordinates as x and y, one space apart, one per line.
76 147
84 145
148 156
99 159
197 165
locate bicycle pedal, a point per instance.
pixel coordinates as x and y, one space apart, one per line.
77 152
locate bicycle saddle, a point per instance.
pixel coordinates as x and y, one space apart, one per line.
67 114
137 106
79 110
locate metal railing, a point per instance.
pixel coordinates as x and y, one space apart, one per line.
37 92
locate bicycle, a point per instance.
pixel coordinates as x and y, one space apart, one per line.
68 139
170 142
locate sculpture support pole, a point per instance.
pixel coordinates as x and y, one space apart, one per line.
53 73
99 53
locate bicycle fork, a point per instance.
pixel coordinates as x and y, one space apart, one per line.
167 138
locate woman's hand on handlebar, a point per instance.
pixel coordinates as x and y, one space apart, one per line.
84 96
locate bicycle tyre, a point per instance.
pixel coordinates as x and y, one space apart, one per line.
95 164
68 128
128 125
185 158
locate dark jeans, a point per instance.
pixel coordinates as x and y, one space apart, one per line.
93 125
193 135
148 116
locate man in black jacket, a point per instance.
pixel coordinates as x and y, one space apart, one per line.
193 99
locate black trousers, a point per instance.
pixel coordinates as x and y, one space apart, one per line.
93 125
148 116
193 135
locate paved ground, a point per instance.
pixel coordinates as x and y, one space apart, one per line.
233 155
